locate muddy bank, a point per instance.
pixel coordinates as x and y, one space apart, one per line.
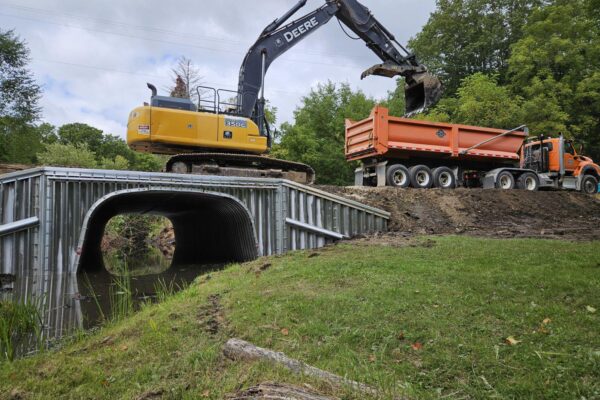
481 212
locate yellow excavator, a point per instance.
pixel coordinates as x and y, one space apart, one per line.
227 133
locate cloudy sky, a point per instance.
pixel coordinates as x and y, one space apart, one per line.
93 58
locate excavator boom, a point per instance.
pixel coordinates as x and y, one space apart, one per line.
422 89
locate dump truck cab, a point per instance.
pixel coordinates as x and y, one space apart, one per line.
559 164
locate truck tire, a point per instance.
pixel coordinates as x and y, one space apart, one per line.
589 184
505 181
397 175
443 178
421 177
528 181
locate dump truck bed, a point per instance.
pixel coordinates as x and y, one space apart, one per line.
382 136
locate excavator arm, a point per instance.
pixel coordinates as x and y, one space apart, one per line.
422 88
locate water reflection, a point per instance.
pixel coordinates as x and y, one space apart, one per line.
73 302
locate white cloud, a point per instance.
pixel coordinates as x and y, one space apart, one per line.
94 57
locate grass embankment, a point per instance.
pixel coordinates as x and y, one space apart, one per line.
427 321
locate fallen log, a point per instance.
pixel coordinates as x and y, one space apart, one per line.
239 350
278 391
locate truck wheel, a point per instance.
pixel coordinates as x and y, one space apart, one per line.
421 177
505 181
528 181
589 185
444 178
398 176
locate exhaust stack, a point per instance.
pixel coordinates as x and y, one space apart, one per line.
153 89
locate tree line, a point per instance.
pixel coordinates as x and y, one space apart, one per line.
503 64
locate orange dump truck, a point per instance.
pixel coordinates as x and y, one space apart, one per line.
404 153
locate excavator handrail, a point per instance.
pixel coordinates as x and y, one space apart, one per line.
218 106
200 100
235 105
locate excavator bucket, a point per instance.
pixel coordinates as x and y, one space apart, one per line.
422 91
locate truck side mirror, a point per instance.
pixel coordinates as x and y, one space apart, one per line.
580 150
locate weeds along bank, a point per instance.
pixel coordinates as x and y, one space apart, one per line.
19 328
425 317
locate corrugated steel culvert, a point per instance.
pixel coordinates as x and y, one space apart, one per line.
51 219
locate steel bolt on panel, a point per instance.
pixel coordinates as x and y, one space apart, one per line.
44 212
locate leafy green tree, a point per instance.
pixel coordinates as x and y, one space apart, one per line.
68 155
113 146
118 163
19 93
81 134
481 101
110 151
147 162
47 133
463 37
19 142
555 68
19 96
542 110
317 135
587 123
444 111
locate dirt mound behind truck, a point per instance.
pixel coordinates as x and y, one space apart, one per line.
511 213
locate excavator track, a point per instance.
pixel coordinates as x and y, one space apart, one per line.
241 165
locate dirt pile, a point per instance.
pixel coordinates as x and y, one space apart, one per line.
8 168
483 212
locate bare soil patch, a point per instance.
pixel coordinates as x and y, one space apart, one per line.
210 316
273 390
493 213
8 168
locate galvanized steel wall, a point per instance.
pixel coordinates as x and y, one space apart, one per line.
43 211
20 200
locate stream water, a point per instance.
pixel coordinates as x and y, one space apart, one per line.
71 303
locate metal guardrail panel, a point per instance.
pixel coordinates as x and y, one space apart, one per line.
287 216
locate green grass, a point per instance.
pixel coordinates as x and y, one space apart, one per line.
19 323
426 321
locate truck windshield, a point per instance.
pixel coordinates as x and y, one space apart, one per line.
569 148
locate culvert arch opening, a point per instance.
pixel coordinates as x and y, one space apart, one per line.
138 245
209 228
